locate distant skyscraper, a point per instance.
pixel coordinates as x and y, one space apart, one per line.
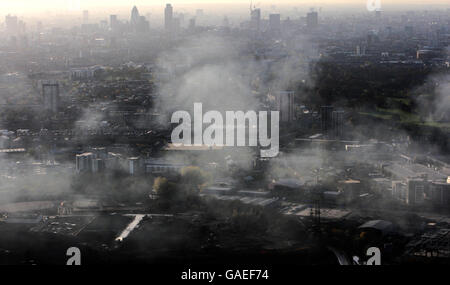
138 23
378 14
176 25
50 93
360 50
85 16
134 20
39 28
168 17
192 24
181 17
312 20
143 25
255 19
409 31
225 22
274 23
113 22
11 24
371 38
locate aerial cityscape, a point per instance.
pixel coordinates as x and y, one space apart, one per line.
266 132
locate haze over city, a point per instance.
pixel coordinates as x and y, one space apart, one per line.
271 133
66 6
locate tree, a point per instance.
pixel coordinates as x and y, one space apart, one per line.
193 179
164 189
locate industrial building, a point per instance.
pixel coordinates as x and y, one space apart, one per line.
416 184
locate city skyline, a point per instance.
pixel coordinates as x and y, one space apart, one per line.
262 133
28 6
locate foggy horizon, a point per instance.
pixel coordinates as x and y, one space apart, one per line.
33 7
179 134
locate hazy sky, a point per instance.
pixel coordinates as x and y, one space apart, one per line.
27 6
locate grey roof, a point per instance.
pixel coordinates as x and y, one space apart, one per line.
414 170
289 182
381 225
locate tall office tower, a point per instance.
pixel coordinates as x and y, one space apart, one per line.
11 24
134 20
91 162
168 17
285 105
181 17
358 50
85 16
113 22
255 19
378 14
338 123
83 162
225 22
39 27
326 114
50 93
371 38
176 25
21 27
143 25
274 23
312 20
192 24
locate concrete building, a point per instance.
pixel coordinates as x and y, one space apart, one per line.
439 193
192 24
274 23
50 93
176 25
84 73
415 184
143 25
338 123
255 19
160 166
312 20
92 162
285 105
11 24
415 191
134 165
156 166
85 16
168 18
113 23
326 114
